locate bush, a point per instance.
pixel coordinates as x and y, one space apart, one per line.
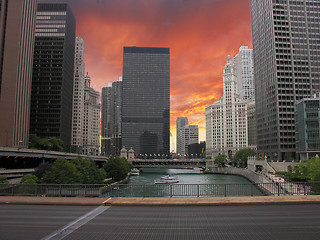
3 179
29 179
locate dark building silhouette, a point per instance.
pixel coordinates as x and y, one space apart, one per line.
146 100
53 68
17 22
196 150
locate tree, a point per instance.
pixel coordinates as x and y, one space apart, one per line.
220 160
90 174
3 179
41 169
310 169
241 157
62 172
29 179
57 144
117 168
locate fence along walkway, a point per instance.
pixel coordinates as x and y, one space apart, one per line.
160 190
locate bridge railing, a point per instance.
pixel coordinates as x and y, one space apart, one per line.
159 190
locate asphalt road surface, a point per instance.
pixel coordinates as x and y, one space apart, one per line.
160 222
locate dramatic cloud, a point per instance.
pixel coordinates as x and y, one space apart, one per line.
199 33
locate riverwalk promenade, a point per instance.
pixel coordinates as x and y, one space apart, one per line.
165 201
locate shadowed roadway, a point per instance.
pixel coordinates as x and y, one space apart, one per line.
160 222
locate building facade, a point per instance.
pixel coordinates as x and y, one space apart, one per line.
111 119
189 135
180 123
252 125
307 127
53 72
17 24
78 97
146 100
226 119
91 120
245 73
286 61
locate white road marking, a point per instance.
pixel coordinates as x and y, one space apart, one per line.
71 227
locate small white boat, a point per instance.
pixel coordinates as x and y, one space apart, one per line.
135 172
166 179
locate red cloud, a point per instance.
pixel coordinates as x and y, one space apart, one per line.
200 35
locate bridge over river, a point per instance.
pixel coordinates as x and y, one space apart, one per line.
169 163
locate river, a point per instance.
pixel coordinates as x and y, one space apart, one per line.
185 176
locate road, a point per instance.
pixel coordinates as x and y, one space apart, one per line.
160 222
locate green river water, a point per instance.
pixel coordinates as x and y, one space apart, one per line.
185 176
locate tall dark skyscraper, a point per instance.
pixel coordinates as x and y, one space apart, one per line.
146 100
53 70
111 100
286 41
17 22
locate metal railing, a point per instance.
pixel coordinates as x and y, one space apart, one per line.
160 190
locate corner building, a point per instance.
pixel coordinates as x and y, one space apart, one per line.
146 100
286 40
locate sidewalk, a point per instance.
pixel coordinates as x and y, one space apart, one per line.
176 201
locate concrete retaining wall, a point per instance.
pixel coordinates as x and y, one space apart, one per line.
251 176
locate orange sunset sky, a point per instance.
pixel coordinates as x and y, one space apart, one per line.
200 35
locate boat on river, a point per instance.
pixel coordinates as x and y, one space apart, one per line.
166 179
135 172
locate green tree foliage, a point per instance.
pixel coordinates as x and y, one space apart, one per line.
3 179
30 179
241 157
52 143
220 160
62 172
117 168
310 169
41 169
76 171
90 174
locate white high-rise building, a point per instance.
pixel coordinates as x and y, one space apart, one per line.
226 119
244 72
78 97
91 123
181 122
189 135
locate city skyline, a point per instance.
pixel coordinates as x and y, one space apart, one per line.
198 44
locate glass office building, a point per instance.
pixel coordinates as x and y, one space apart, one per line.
286 36
146 100
307 117
53 72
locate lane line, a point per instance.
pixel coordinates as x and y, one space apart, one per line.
71 227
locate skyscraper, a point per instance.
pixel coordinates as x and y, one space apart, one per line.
226 119
146 100
286 61
91 120
78 97
53 72
244 72
17 22
189 135
181 122
111 119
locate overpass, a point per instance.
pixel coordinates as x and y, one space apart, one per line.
35 153
169 163
22 158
